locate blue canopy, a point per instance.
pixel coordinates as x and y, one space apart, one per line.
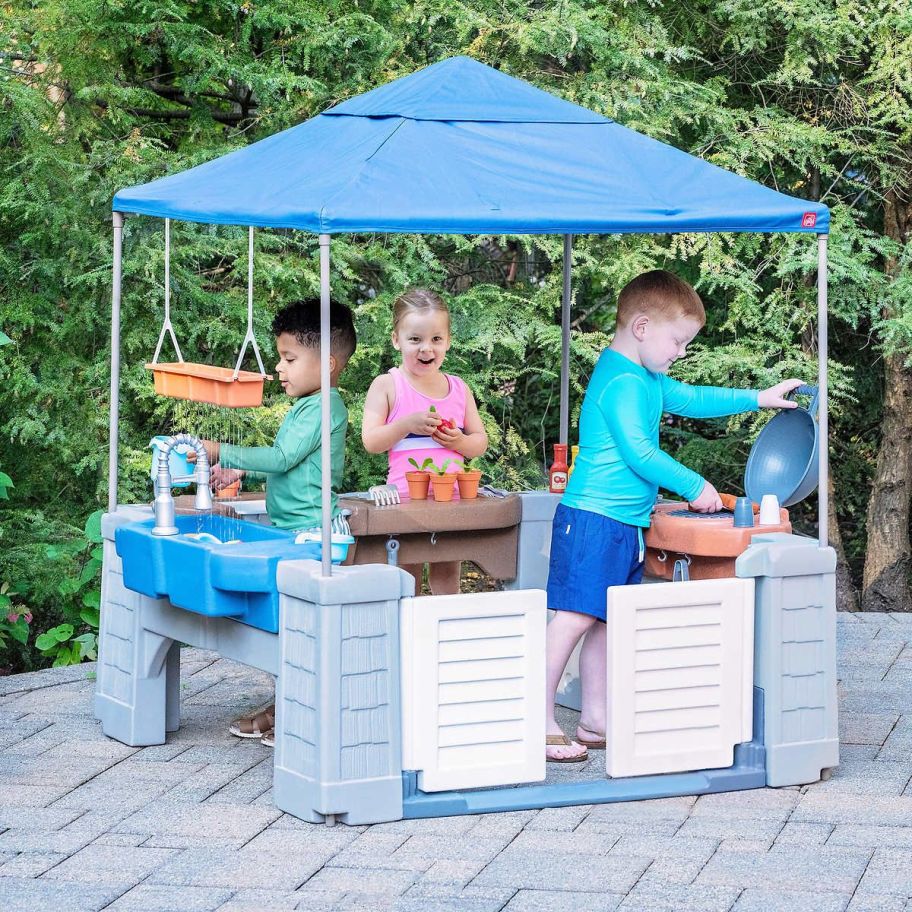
460 148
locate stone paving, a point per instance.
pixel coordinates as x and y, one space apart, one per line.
89 824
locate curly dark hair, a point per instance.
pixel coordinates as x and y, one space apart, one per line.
302 320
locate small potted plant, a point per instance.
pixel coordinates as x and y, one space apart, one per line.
419 479
442 481
467 478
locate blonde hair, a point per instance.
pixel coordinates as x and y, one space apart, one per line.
417 300
659 294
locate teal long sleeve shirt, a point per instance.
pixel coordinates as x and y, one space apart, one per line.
620 467
292 463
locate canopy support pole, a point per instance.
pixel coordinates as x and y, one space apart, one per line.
823 490
565 344
325 436
115 362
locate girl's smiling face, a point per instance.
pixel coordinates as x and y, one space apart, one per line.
423 338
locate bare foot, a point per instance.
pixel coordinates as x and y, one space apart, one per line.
560 749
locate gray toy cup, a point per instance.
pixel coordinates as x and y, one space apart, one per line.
744 513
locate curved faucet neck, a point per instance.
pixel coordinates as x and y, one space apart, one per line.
163 505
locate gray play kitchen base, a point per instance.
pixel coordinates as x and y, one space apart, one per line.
392 706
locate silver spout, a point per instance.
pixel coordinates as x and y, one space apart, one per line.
163 505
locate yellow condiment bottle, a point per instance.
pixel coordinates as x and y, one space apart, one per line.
573 451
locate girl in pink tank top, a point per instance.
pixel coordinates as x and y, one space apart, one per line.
397 410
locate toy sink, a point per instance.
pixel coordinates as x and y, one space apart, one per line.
214 566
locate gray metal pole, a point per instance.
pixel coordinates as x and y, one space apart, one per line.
115 362
565 343
822 415
325 435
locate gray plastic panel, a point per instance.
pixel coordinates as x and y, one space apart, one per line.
136 668
534 540
795 654
338 706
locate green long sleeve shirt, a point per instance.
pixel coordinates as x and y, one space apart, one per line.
292 463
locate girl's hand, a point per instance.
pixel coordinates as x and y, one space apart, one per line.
423 423
774 397
448 437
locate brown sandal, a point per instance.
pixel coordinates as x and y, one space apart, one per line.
597 745
268 739
563 741
255 724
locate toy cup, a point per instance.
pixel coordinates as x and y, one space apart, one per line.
744 513
769 510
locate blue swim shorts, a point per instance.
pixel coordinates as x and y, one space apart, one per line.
589 553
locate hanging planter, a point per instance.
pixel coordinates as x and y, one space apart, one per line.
205 382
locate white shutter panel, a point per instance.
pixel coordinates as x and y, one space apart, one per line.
680 675
473 688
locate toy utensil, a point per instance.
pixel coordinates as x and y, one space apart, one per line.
729 501
384 495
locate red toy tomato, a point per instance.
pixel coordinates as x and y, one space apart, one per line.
444 422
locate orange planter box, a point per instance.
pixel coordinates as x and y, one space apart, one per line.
206 383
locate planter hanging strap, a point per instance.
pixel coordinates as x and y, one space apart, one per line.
249 337
166 326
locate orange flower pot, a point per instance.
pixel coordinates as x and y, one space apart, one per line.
418 483
444 486
468 483
229 490
207 383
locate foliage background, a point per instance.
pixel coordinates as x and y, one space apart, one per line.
811 98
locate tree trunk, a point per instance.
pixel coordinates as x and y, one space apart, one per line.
887 564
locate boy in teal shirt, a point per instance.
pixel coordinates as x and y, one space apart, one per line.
597 534
292 463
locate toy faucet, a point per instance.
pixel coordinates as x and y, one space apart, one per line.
163 505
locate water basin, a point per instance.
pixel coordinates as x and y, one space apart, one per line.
215 565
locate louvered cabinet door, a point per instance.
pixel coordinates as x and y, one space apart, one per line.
680 675
473 688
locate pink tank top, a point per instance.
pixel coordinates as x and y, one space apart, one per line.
414 446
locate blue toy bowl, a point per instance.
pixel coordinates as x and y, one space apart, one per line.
783 459
339 544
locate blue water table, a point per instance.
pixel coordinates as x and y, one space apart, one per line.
391 705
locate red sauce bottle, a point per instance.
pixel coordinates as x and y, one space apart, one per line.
557 474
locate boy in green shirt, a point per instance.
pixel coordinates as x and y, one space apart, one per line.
292 463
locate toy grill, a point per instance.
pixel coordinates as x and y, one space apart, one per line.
708 542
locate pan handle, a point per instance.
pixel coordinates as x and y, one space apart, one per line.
807 390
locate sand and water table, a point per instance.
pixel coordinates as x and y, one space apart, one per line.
391 705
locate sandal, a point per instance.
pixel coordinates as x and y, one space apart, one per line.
268 739
255 724
598 744
563 741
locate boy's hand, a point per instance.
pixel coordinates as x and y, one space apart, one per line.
423 423
221 478
774 397
708 501
212 452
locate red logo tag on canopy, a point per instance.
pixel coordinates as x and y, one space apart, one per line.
809 220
